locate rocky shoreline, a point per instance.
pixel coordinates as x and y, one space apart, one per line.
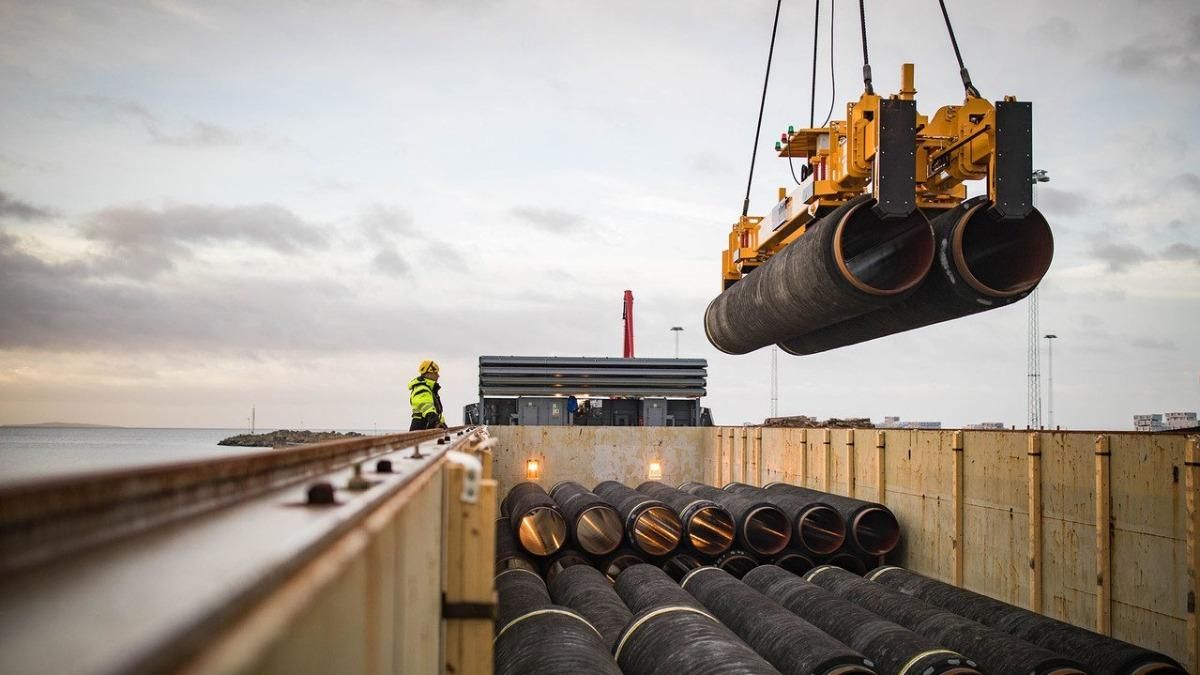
285 437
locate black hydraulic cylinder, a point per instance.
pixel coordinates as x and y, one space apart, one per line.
535 518
982 263
509 555
994 650
846 264
518 592
594 525
893 649
790 643
651 526
551 641
671 633
871 528
817 526
1099 654
707 524
759 526
586 590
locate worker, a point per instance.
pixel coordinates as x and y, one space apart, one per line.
424 397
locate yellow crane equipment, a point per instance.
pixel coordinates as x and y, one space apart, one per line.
878 237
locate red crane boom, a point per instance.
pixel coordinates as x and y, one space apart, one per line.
627 315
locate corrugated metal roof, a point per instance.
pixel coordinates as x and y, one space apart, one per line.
596 376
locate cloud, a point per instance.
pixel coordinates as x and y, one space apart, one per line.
19 210
1119 255
1181 251
140 242
1061 202
1154 344
197 134
1161 55
1057 31
392 264
1189 181
549 219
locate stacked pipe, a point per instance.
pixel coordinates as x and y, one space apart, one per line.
587 591
707 524
994 650
672 633
535 637
678 565
891 647
1099 654
788 642
848 263
535 518
736 562
982 264
651 527
618 561
508 554
871 527
759 526
562 560
594 525
817 526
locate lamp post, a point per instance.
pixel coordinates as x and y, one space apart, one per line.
676 330
1050 338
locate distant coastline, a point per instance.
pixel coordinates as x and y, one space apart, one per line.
62 425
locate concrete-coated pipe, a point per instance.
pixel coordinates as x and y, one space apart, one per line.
586 590
1099 654
518 591
551 640
891 647
708 525
796 562
651 526
560 561
672 633
736 562
759 526
846 264
509 555
616 562
872 528
981 264
535 518
678 565
789 643
994 650
594 525
818 527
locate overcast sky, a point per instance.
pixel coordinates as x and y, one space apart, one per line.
207 206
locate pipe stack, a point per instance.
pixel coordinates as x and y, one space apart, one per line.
1099 654
594 525
994 650
651 527
759 526
535 518
707 524
871 528
587 591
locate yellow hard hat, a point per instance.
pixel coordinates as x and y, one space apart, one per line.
427 366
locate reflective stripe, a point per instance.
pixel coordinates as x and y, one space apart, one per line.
658 612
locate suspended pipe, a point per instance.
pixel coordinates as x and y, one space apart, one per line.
994 650
892 648
818 527
707 524
678 565
789 643
651 526
562 560
586 590
671 632
550 641
509 555
535 518
796 562
616 562
1099 654
982 264
518 591
594 525
759 526
872 527
736 563
846 264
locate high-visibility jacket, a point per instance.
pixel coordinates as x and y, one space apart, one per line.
424 397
